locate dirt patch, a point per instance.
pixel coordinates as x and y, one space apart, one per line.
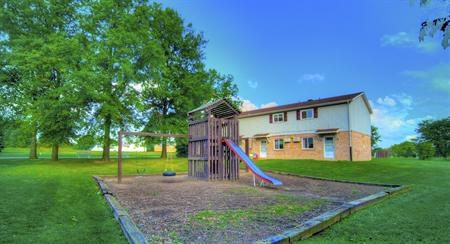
183 209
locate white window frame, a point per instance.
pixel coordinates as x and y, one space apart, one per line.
307 111
278 117
307 143
278 144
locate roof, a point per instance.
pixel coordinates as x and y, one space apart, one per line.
221 108
309 104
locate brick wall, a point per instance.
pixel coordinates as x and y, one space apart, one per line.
293 147
362 150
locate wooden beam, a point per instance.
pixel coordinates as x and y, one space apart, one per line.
130 133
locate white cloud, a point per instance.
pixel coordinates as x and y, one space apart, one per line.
404 99
247 105
252 84
269 105
407 40
410 137
386 101
393 119
438 77
398 39
315 77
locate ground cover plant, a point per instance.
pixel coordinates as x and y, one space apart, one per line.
420 215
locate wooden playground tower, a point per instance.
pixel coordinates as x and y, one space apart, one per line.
209 125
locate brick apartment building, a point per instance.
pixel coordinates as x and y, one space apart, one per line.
334 128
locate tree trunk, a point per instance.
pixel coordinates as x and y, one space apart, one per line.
33 145
55 152
164 148
107 138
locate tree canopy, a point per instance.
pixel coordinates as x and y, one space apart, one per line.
182 83
436 132
39 52
436 25
375 137
86 69
404 149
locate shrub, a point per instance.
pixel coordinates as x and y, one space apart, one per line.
404 149
425 150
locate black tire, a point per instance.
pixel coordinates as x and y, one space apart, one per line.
169 173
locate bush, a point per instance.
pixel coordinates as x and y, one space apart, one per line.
404 149
425 150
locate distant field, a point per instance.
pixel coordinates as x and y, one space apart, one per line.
69 152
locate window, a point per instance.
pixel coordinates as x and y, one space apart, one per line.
307 113
279 144
278 117
308 143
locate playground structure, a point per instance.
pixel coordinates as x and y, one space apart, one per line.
213 148
209 125
214 151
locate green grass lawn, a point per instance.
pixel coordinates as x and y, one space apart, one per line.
420 215
47 202
58 202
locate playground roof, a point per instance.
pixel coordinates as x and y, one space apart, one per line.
221 108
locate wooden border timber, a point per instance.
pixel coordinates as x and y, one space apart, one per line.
131 133
129 228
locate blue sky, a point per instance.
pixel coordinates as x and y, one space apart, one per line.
288 51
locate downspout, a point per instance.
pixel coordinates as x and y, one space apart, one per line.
350 141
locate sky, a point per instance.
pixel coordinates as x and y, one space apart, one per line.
287 51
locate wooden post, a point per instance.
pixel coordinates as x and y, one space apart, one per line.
119 159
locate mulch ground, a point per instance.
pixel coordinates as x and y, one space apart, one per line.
166 208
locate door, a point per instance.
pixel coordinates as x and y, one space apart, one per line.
329 147
263 149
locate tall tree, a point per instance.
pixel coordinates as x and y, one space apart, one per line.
36 42
375 137
438 133
182 82
116 33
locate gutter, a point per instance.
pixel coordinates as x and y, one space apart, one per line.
350 139
254 113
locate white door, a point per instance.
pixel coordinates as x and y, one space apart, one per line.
263 149
329 147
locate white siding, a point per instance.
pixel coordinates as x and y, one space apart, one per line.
359 116
335 116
